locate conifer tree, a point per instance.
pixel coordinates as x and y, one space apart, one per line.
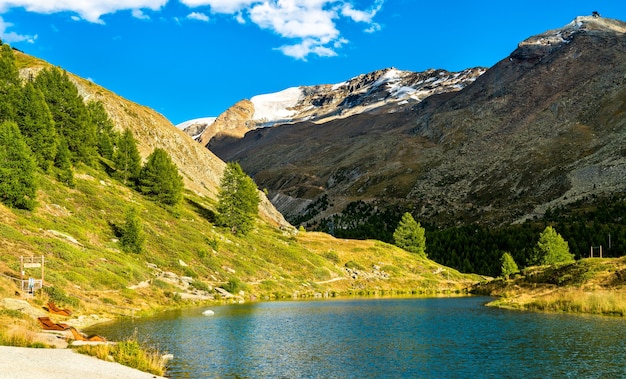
410 236
552 248
104 128
63 164
37 126
133 238
238 200
127 159
508 265
18 185
70 114
10 85
160 180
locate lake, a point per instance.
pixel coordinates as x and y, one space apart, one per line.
381 338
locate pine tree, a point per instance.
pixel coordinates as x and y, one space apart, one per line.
37 126
552 248
70 114
160 180
10 85
127 159
238 200
508 265
63 164
410 236
133 238
104 128
18 186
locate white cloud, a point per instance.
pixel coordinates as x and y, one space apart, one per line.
221 6
311 25
12 37
305 48
198 16
361 16
373 28
296 19
90 10
138 14
240 19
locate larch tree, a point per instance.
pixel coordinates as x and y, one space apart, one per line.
410 235
126 158
70 114
508 265
132 238
104 128
10 84
160 180
37 126
238 200
18 183
552 248
63 164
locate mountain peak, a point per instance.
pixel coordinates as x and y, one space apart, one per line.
363 93
562 35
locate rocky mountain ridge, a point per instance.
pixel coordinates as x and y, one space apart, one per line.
541 128
366 93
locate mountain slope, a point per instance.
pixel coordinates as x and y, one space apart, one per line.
543 127
200 168
185 256
363 94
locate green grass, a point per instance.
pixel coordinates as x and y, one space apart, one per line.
591 285
75 230
129 353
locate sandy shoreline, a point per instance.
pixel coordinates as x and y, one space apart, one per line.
28 363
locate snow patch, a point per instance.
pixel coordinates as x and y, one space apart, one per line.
276 106
197 121
338 85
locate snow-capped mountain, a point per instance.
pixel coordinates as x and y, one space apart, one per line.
543 127
361 94
196 126
379 91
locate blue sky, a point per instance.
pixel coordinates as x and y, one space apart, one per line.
195 58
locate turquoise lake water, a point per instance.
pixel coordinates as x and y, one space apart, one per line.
381 338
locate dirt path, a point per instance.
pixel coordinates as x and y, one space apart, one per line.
26 363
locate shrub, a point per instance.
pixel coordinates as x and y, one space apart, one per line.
331 256
133 238
59 296
353 265
234 285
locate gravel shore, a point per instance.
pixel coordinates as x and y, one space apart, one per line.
27 363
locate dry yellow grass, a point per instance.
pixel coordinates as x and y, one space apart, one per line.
129 353
593 286
603 302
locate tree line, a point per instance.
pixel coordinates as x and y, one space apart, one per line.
550 248
478 248
46 128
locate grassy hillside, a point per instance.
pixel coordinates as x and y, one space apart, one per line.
186 256
591 285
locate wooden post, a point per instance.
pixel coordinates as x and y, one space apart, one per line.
42 272
591 252
600 251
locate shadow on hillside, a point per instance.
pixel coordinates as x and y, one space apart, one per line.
118 230
203 211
